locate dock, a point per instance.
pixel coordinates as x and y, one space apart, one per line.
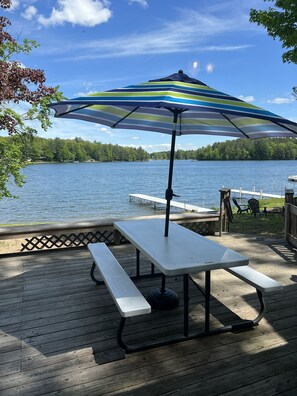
259 194
161 201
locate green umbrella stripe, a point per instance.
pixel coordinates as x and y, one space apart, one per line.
161 95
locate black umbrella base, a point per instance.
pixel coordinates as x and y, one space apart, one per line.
163 299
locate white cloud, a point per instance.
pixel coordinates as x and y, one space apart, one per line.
78 12
222 48
103 129
69 129
192 31
91 92
143 3
135 137
29 13
14 5
129 145
156 147
248 98
152 148
280 100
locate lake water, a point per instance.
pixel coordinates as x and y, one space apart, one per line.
91 191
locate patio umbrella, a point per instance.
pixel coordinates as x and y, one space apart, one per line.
176 105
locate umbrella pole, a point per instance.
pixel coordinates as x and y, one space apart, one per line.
169 192
164 298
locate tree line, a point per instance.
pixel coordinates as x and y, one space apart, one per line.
239 149
68 150
37 149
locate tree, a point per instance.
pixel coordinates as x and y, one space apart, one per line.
262 149
9 166
23 98
280 21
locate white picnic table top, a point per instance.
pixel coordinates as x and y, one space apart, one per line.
182 252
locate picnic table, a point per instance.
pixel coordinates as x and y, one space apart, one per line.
183 253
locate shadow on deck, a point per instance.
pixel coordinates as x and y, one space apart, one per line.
58 330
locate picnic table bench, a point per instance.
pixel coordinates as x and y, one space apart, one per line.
263 285
128 299
261 282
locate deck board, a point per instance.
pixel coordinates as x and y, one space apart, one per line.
58 331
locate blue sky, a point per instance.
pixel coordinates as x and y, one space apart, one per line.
91 45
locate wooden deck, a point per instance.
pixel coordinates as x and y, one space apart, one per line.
58 331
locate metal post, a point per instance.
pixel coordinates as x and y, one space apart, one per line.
152 269
137 262
169 192
186 305
162 290
207 300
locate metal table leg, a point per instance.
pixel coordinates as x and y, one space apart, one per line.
207 301
186 305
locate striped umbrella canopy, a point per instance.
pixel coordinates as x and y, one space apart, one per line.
176 105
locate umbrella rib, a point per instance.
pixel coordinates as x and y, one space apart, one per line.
71 111
126 116
235 126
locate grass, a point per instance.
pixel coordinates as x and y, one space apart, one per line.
25 224
271 225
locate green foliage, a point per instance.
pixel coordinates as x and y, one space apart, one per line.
164 155
24 98
67 150
10 163
240 149
22 87
271 202
280 22
271 225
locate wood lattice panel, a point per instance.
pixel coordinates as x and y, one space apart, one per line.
199 228
81 239
67 240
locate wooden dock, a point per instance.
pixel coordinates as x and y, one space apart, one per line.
58 330
174 204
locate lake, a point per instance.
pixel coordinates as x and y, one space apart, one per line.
91 191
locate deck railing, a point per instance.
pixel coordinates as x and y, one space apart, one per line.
291 224
79 234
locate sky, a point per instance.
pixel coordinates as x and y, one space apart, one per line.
88 46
